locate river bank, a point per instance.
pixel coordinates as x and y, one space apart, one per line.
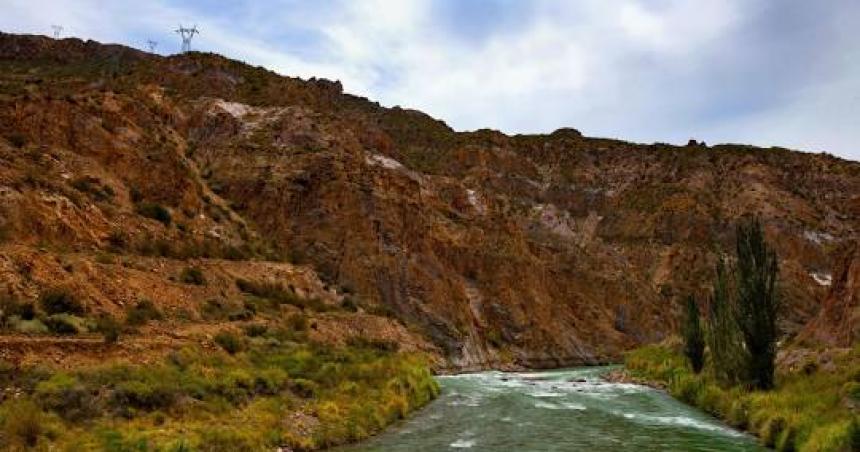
813 408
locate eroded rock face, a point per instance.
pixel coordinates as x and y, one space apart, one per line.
838 321
535 250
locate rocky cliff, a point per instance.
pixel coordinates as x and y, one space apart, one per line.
534 250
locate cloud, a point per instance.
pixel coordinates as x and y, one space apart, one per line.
761 71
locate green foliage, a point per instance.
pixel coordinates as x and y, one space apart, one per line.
803 411
193 275
109 327
725 344
276 294
742 322
60 301
156 212
757 301
34 326
204 400
142 312
23 423
694 337
217 309
64 324
230 342
10 307
255 330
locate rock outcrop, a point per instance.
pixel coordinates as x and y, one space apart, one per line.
532 250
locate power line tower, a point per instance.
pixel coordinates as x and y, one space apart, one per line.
57 30
187 34
152 45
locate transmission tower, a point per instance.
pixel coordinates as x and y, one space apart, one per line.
57 30
152 45
187 34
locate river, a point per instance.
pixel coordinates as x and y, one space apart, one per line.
561 410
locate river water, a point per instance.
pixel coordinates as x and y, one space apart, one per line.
562 410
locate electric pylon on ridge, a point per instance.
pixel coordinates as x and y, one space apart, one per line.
187 34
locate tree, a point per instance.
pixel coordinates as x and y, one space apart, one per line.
757 301
694 338
727 352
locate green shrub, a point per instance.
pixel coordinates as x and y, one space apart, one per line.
142 312
278 294
255 330
156 212
304 388
63 324
144 395
34 326
60 301
193 275
230 342
109 327
216 309
11 306
67 396
117 241
23 423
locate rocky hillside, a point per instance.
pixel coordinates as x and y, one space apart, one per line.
535 250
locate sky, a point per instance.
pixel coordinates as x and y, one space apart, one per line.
765 72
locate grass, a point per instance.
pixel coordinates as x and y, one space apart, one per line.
266 394
807 411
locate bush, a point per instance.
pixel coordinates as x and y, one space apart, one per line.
117 241
11 306
304 388
59 301
349 305
156 212
255 330
193 275
34 326
24 422
230 342
109 327
278 294
215 309
297 322
63 324
142 312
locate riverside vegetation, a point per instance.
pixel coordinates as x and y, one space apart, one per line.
808 409
262 391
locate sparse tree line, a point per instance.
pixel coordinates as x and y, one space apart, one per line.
740 329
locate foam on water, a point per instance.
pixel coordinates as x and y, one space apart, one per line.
559 410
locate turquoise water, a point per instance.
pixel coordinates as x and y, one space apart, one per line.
563 410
